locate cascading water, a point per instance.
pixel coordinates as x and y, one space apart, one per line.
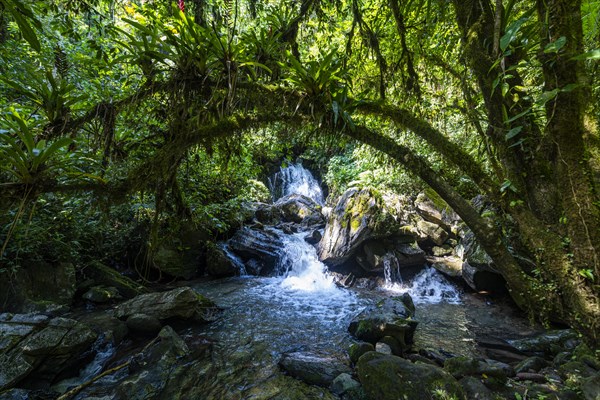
429 286
295 179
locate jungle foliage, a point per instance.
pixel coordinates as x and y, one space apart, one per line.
171 109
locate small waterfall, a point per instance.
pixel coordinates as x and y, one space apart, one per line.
301 267
429 286
295 179
391 270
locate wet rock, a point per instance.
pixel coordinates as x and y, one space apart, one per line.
386 377
475 389
576 369
101 294
144 324
549 343
344 383
111 328
267 214
531 364
358 349
314 237
314 368
103 275
262 246
300 209
359 215
220 262
464 366
530 376
182 303
389 317
39 348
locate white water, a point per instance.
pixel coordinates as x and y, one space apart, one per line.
391 269
428 286
295 179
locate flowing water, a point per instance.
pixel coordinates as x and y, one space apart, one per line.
295 179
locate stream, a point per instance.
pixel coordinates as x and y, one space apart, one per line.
302 309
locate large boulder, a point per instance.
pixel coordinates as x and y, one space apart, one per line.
313 367
399 251
38 348
182 303
259 249
387 377
359 215
390 317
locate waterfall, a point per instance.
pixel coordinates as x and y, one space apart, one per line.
301 266
295 179
429 286
391 269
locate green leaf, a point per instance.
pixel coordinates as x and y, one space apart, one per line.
513 132
511 33
555 46
24 26
590 55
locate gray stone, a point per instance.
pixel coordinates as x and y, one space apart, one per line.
314 368
383 348
448 265
344 383
299 209
549 343
262 247
463 366
433 232
143 323
314 237
183 303
386 377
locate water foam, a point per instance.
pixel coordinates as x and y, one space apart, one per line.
429 286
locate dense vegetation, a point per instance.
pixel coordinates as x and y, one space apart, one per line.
131 119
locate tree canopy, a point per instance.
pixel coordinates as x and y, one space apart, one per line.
148 102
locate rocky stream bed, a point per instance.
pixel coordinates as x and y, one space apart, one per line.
374 298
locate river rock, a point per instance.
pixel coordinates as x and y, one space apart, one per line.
389 317
359 215
478 269
220 262
103 275
314 237
314 368
464 366
475 389
531 364
386 377
548 344
300 209
267 214
262 247
344 383
39 348
182 303
144 324
101 294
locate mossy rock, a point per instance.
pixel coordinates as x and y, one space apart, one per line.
107 276
386 377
